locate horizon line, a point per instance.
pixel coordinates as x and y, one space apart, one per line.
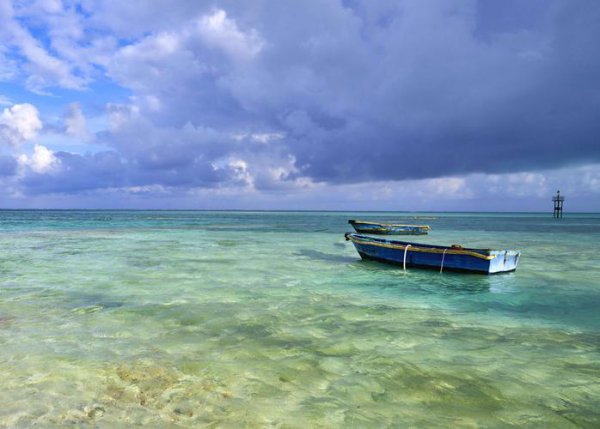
292 210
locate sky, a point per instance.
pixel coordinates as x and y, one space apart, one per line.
404 105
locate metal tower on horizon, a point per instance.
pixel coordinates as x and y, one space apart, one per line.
558 205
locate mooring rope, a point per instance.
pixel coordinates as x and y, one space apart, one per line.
443 256
405 250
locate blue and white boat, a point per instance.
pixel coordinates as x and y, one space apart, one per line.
452 258
366 227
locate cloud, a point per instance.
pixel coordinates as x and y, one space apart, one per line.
46 44
8 69
221 32
5 101
371 93
273 96
72 173
8 165
19 123
75 122
467 193
41 161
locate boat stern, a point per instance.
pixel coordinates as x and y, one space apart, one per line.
504 261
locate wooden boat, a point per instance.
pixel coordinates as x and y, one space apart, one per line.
453 258
366 227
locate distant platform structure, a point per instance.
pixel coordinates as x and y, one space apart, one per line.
558 201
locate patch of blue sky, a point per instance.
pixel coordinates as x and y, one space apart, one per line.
62 143
17 94
37 29
5 100
96 96
93 99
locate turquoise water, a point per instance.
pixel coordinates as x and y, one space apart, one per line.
270 319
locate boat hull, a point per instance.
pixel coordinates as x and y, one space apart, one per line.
484 261
388 228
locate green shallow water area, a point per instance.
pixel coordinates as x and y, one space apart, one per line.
270 319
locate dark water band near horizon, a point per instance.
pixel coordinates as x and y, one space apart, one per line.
270 319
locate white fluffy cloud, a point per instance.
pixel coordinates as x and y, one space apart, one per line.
41 161
219 31
19 123
170 67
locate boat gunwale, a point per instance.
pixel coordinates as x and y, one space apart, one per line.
364 222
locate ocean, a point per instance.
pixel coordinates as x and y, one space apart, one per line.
173 319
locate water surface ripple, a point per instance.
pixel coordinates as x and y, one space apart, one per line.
270 319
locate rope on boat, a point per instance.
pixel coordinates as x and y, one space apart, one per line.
443 256
405 250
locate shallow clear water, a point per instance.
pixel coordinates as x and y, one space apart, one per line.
270 319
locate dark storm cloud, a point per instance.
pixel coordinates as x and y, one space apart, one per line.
354 90
400 90
80 173
450 103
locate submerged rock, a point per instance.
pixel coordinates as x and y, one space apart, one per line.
93 411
